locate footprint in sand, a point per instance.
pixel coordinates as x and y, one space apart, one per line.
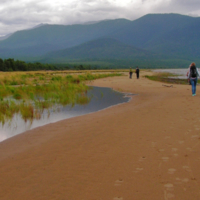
142 159
168 185
171 171
169 188
182 180
169 195
185 180
138 170
118 198
165 159
194 136
186 168
118 182
174 149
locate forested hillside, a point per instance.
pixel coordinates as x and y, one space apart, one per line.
154 40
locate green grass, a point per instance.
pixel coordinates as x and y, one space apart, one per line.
167 78
29 94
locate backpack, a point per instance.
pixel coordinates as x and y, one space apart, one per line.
193 72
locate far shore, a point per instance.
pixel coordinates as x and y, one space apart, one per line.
181 73
146 149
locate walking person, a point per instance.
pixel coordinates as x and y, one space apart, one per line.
130 73
137 71
193 75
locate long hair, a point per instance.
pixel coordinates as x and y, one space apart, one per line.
193 64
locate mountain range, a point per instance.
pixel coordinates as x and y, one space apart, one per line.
154 40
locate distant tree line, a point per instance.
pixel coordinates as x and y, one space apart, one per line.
11 65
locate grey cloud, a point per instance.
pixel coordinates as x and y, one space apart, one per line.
2 2
170 6
186 2
21 14
191 5
89 11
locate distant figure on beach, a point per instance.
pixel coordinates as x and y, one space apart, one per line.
137 71
130 72
193 74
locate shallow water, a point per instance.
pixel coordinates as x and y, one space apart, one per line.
180 72
101 98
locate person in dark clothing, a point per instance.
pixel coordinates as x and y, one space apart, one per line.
130 73
193 75
137 71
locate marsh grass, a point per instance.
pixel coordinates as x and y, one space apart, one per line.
27 111
167 78
30 93
7 110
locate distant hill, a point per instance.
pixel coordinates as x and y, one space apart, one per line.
5 37
103 48
58 37
110 52
170 40
100 50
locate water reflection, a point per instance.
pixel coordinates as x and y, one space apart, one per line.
101 98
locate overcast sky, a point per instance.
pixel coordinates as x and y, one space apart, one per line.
22 14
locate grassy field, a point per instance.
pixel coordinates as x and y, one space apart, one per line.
29 93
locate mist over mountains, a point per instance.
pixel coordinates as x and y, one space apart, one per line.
154 40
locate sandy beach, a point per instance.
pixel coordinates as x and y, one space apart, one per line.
146 149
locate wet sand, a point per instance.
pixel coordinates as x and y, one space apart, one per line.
145 149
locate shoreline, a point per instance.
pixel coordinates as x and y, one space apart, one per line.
147 148
125 96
